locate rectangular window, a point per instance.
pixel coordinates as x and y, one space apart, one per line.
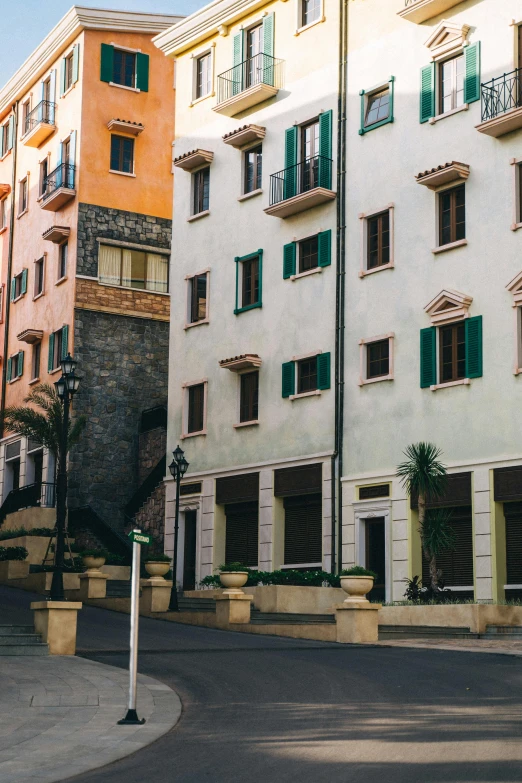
308 254
451 84
58 347
124 69
63 252
35 361
378 240
23 202
204 75
17 365
133 268
38 278
378 107
196 408
198 298
3 213
377 359
44 171
19 285
122 154
249 396
201 182
253 169
26 110
4 139
250 281
452 348
309 156
69 69
310 11
452 215
307 375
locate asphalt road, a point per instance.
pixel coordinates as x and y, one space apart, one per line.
259 708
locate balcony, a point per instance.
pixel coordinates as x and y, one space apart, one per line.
39 124
251 82
58 187
301 187
419 11
502 104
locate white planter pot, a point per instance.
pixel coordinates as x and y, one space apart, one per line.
356 587
157 568
93 563
233 581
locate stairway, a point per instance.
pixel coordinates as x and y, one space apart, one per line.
424 632
21 640
286 618
118 588
196 604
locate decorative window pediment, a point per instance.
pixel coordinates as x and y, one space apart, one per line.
447 38
448 306
515 286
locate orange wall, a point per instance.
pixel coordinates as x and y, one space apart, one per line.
150 192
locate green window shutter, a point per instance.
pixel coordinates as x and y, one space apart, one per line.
142 72
290 175
289 260
427 92
238 48
472 73
2 145
75 63
268 49
9 365
474 347
237 76
324 244
10 132
65 341
288 379
428 357
24 282
50 363
325 149
13 289
107 63
20 364
62 77
323 371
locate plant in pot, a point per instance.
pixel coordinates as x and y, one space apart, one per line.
233 576
157 565
93 559
357 581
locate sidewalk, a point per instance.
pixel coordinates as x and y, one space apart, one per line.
499 647
58 717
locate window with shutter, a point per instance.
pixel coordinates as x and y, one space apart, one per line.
249 275
325 248
241 534
289 260
290 174
107 63
237 75
50 361
325 150
472 73
303 530
428 357
377 106
323 371
142 72
427 93
268 49
456 564
288 376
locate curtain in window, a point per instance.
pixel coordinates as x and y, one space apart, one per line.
157 273
126 268
109 265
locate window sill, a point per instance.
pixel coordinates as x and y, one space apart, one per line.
252 193
450 246
314 271
122 287
33 381
308 26
17 299
197 323
14 380
439 117
21 214
3 229
366 272
198 216
68 90
4 156
367 381
368 128
462 382
56 369
61 280
122 87
252 423
202 98
121 173
239 310
192 434
315 393
38 296
516 226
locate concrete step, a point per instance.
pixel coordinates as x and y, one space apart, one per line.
15 629
424 632
118 588
503 632
25 649
21 640
286 618
8 640
196 604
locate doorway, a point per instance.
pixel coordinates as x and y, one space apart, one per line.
189 551
375 560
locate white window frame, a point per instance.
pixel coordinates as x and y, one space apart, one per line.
299 27
185 408
206 319
3 214
61 278
252 422
35 378
5 134
363 346
211 50
41 194
364 217
517 196
20 185
244 150
43 259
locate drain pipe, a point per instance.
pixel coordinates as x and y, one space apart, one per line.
7 293
337 457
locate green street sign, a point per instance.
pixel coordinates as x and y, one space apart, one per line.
139 538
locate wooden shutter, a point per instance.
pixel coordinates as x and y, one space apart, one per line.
428 357
324 244
427 92
237 76
10 132
9 366
142 72
241 488
75 63
107 63
301 480
288 378
303 529
13 289
290 175
268 49
241 536
325 149
472 73
72 158
62 76
20 363
23 287
289 260
323 371
508 483
65 341
50 361
474 347
513 515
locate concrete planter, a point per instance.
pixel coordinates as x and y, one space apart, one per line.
117 573
286 598
473 616
93 563
36 547
157 568
233 581
356 587
13 569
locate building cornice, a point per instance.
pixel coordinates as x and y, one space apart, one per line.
76 20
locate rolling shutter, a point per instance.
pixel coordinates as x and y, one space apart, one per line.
288 373
290 175
427 93
301 480
303 529
472 73
142 72
289 260
474 347
325 150
241 536
456 565
324 243
428 357
107 63
508 483
237 489
323 371
513 515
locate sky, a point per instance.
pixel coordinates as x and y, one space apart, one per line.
24 23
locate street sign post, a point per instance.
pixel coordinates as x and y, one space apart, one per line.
138 538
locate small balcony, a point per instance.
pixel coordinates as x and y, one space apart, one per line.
39 124
58 187
301 187
502 104
251 82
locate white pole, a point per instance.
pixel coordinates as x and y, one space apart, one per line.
132 716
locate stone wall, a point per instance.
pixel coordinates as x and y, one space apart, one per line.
152 447
151 517
90 295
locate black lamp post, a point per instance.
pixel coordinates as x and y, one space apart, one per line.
66 386
178 468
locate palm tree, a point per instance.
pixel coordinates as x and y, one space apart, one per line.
423 474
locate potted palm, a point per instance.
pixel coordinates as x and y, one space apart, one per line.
233 576
93 559
357 581
157 565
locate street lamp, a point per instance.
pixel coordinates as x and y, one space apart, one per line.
66 387
178 468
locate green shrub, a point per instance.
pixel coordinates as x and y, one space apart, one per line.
40 531
115 560
160 558
94 553
13 553
313 578
5 535
227 567
357 571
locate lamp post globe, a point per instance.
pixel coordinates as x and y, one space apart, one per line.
178 467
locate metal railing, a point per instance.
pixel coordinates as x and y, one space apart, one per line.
43 112
502 94
260 69
62 176
312 173
41 494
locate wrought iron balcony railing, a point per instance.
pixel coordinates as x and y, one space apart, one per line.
260 69
312 173
62 176
502 94
41 494
43 112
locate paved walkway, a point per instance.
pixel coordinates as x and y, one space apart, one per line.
59 717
